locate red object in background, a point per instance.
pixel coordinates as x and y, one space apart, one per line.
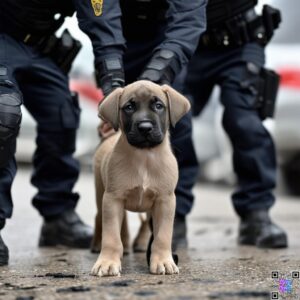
87 90
290 77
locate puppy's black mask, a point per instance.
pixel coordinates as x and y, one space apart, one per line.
144 122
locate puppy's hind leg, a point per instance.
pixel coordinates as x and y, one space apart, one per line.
125 237
96 242
141 241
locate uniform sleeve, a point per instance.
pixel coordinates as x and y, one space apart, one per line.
186 22
101 21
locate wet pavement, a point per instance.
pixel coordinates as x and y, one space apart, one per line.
214 267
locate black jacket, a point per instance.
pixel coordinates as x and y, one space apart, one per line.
102 22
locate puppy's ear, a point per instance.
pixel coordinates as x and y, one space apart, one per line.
109 108
178 104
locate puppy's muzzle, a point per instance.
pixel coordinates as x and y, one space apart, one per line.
145 127
145 134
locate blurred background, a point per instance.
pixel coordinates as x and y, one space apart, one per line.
212 146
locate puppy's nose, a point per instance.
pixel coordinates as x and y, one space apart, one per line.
145 127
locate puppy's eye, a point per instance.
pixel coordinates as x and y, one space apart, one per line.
129 107
158 106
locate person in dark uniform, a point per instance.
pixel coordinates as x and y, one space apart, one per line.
160 38
28 75
231 54
33 71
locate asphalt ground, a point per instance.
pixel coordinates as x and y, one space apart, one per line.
213 267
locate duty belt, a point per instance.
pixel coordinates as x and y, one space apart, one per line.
27 38
144 10
62 50
31 39
242 28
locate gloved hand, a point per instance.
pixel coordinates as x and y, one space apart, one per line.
162 68
109 74
105 130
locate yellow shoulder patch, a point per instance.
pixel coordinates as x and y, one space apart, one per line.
97 7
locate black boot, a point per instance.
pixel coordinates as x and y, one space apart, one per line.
179 240
3 253
257 229
3 249
67 230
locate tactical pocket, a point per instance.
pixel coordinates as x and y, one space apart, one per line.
70 113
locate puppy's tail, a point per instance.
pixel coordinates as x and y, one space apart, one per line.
148 253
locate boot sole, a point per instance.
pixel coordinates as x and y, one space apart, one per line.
272 243
4 257
278 242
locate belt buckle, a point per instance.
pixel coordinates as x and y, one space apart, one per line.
142 17
27 37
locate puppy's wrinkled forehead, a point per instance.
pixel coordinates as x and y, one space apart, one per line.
142 91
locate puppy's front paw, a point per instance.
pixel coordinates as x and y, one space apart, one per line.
106 267
161 266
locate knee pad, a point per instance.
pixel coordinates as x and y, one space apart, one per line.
10 120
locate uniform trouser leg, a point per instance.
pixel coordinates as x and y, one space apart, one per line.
7 175
254 157
253 149
8 111
183 147
181 135
48 99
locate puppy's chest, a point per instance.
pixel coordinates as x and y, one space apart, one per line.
145 182
142 191
140 199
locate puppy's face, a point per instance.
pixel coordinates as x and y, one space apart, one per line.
144 119
143 111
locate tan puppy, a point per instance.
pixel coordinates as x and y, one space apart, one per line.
136 170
